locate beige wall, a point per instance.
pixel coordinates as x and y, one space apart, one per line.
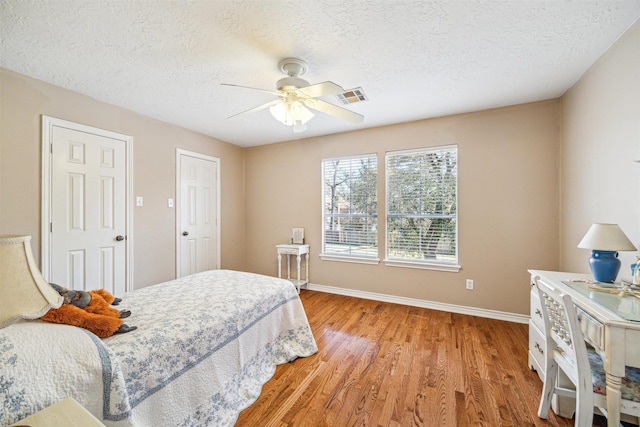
600 141
508 204
528 190
22 102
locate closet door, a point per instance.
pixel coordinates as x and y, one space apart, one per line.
198 234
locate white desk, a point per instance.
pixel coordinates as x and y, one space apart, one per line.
615 338
298 251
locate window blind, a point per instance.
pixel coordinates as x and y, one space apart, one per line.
422 205
350 205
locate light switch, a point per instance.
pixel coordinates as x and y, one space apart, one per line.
170 203
139 201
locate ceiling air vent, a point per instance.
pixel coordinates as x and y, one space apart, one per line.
351 96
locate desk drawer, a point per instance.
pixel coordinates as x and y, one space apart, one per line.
592 329
536 349
289 251
536 309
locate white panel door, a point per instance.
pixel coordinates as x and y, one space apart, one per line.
88 211
198 231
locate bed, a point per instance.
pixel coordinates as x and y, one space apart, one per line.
204 346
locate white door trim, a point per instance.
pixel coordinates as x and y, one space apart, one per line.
47 134
179 153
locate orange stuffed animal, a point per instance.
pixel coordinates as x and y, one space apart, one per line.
90 310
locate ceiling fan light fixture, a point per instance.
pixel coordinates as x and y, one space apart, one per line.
293 114
299 127
299 112
279 112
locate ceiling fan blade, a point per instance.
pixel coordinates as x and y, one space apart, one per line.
258 108
273 92
321 89
334 110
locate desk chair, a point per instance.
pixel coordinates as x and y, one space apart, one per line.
567 350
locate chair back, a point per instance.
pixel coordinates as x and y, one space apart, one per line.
565 343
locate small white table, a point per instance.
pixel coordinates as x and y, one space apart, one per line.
298 251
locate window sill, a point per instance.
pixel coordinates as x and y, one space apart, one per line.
347 258
453 268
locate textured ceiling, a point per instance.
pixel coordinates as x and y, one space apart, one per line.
414 59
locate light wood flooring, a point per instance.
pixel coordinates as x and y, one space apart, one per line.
382 364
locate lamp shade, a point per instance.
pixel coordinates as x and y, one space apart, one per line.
25 293
606 237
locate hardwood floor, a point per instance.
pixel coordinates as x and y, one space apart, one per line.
382 364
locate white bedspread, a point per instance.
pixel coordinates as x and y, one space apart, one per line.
204 346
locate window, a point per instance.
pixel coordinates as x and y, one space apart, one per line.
350 208
422 208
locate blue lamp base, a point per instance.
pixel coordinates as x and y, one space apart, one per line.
605 265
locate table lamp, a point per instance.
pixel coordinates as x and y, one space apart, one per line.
605 240
25 293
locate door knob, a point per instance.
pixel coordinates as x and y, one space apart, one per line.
185 233
119 238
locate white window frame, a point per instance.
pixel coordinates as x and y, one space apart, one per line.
355 258
450 266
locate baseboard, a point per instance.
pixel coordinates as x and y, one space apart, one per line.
460 309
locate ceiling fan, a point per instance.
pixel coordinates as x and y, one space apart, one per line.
295 95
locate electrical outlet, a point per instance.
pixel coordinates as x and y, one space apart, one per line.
470 284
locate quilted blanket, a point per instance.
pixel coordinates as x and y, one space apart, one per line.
204 346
